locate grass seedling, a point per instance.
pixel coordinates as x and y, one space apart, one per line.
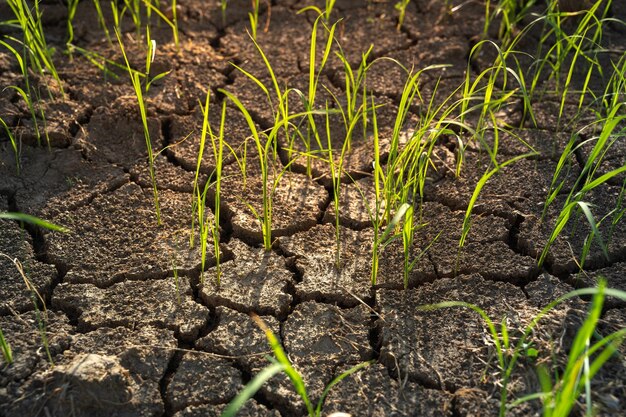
262 150
30 95
587 180
7 354
266 141
135 78
401 8
584 360
34 41
172 23
206 226
355 85
577 52
254 18
510 12
71 12
281 363
314 75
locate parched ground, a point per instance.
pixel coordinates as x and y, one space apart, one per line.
135 329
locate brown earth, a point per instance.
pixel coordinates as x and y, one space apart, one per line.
135 329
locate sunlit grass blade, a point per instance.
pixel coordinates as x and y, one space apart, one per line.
251 388
7 354
338 379
262 151
33 220
282 359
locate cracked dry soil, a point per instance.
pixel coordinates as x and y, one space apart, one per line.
133 332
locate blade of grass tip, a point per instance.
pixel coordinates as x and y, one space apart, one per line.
281 357
505 333
13 141
251 388
33 220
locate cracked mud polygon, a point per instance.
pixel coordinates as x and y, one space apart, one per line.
135 327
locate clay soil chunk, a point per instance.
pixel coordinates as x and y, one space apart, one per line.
487 240
287 32
161 303
22 334
372 392
55 180
104 364
253 281
357 205
333 335
16 244
444 348
87 383
116 236
63 118
115 134
168 176
315 259
236 335
202 379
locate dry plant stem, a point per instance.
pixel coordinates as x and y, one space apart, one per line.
37 299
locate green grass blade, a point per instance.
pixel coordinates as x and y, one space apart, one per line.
479 186
282 359
33 220
336 380
7 354
251 388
